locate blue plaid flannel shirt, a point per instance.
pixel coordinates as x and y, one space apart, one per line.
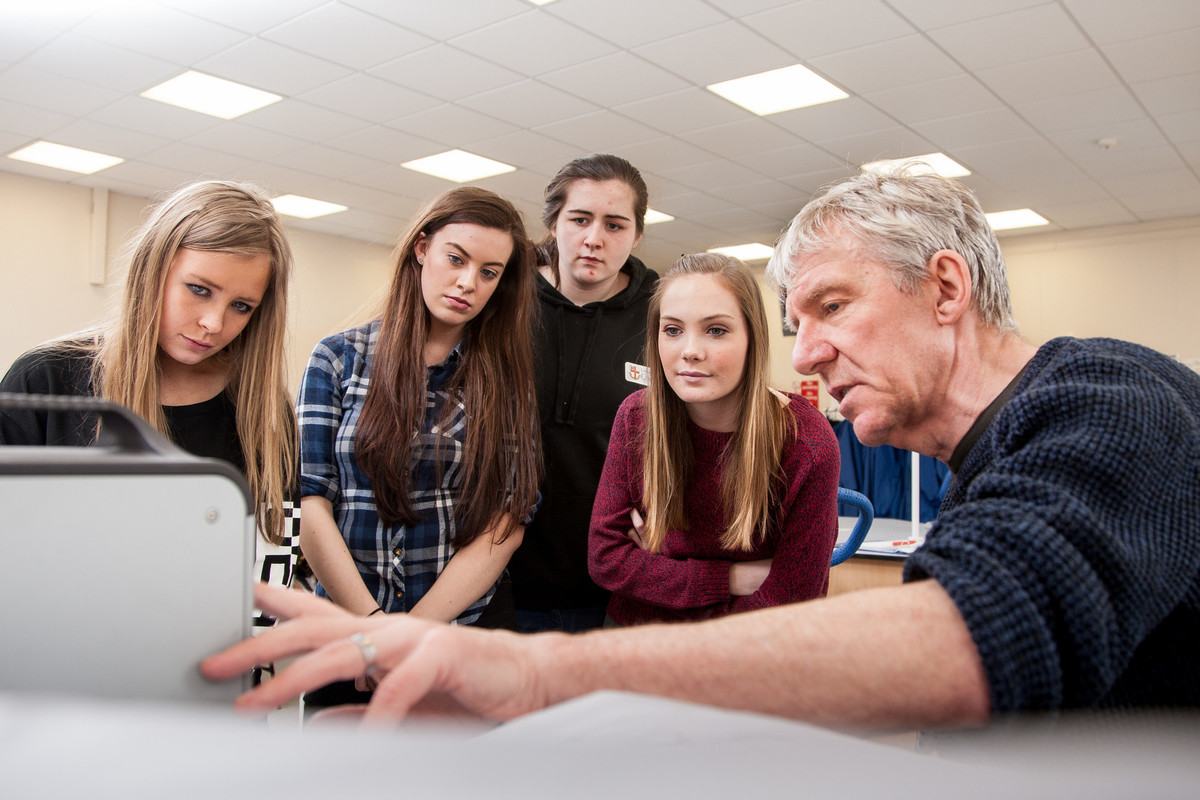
398 563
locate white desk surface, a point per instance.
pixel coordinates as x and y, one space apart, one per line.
605 745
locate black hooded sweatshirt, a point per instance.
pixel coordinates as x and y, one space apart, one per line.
584 356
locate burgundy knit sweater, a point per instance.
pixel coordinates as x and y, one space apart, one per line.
688 578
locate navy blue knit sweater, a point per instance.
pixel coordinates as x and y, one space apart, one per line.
1070 537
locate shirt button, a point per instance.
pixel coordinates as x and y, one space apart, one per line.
399 551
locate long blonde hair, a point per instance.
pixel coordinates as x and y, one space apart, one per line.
227 217
749 485
501 458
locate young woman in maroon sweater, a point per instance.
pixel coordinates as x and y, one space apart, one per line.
719 494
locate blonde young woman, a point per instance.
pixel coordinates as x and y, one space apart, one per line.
196 347
719 494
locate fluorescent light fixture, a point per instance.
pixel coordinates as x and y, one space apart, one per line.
458 166
778 90
1017 218
540 2
216 97
304 207
938 163
653 217
60 156
745 252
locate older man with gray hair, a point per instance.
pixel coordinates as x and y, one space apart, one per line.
1063 571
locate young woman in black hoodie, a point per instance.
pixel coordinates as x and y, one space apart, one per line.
589 357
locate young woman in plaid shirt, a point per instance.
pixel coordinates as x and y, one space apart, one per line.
419 443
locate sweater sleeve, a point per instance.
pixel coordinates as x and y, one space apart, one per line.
807 528
1068 537
615 562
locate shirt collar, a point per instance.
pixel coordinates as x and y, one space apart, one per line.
982 421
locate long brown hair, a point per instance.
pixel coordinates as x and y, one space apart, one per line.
494 380
750 479
597 167
226 217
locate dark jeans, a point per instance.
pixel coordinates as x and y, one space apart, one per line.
567 620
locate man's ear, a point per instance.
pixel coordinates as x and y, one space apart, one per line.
951 277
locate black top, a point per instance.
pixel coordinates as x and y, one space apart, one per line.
207 429
581 354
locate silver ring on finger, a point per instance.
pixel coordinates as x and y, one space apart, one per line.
367 648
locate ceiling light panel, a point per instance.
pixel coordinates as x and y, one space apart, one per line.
216 97
1017 218
458 166
778 90
745 252
60 156
294 205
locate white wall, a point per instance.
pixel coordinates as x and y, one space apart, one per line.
45 242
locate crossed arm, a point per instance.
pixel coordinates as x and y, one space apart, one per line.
898 657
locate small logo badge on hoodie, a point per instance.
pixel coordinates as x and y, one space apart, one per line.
636 373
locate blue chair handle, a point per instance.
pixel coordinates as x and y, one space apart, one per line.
866 515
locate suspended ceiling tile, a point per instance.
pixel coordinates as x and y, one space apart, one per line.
1112 104
1047 78
712 175
935 14
830 121
1082 142
200 161
887 65
818 27
615 79
1107 21
737 139
631 23
599 131
522 148
329 162
304 120
446 73
800 159
984 127
1170 95
679 112
1029 33
1181 128
106 139
533 42
159 31
347 36
139 114
691 55
27 121
527 104
1164 56
449 124
385 144
241 139
248 16
272 67
368 97
40 89
937 99
441 20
